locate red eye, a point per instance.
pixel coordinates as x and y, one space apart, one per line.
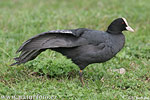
122 22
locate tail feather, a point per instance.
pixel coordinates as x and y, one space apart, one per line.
16 63
26 56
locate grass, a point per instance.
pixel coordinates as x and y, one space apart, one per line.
22 19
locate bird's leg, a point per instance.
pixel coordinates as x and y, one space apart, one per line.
81 78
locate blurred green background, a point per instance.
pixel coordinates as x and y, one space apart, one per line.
58 76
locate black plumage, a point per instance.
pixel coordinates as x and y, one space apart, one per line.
83 46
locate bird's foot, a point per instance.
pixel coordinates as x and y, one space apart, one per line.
81 78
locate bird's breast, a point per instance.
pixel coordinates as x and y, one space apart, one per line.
115 43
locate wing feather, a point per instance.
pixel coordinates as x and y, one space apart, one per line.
54 39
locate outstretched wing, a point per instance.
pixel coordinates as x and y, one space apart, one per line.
54 39
49 40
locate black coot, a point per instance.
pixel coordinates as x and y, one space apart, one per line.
83 46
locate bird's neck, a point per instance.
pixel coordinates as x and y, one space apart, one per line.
113 31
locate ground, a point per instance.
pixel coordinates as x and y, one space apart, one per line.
57 76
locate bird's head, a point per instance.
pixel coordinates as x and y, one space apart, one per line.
119 25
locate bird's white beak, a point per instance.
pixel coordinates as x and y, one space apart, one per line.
129 29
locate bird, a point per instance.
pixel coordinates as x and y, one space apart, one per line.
82 45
